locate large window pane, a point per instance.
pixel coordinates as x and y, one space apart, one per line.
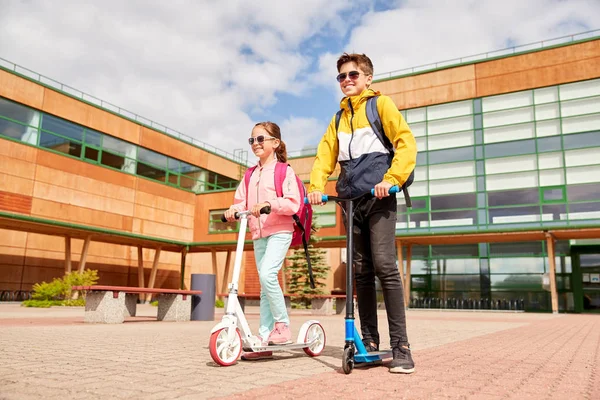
516 248
455 282
118 146
64 128
510 148
516 282
549 144
453 155
112 160
514 215
517 265
466 250
450 201
17 112
60 144
583 192
216 225
93 137
514 197
453 218
580 140
151 172
151 157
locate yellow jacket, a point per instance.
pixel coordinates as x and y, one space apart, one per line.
363 159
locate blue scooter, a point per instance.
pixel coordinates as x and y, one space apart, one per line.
354 349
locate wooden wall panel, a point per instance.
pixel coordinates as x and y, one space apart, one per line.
539 77
21 90
114 125
94 172
204 204
434 95
65 107
223 166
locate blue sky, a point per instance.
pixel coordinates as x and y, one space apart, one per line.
211 70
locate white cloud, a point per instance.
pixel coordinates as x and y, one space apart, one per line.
203 67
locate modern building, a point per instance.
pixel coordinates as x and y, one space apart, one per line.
506 200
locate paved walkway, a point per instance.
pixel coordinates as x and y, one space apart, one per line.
51 353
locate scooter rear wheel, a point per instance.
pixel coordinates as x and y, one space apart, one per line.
222 351
315 332
348 360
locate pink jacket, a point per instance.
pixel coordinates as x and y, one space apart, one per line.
262 189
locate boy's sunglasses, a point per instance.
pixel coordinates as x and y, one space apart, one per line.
353 75
260 139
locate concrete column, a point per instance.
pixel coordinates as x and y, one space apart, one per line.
552 272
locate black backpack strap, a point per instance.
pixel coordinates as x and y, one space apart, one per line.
311 278
375 122
338 116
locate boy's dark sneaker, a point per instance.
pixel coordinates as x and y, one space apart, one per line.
370 346
402 362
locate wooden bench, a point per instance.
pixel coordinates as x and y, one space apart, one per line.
111 304
244 297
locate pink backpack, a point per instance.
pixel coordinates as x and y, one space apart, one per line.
302 219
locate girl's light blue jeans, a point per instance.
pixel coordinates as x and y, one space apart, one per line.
270 254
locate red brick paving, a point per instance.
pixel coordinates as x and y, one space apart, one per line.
549 359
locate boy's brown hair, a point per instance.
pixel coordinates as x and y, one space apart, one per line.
361 60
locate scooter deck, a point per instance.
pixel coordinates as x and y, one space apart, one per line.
372 357
279 347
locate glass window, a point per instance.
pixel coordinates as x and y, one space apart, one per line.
584 210
216 225
151 157
580 140
420 204
92 154
12 129
583 192
457 250
453 155
450 201
453 218
549 144
513 197
510 148
62 145
416 252
553 194
418 282
17 112
118 146
455 282
422 158
325 215
64 128
112 160
477 106
93 138
516 265
516 282
554 212
151 172
479 136
516 248
514 215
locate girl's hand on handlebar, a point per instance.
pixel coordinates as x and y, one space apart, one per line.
382 189
230 214
257 207
315 198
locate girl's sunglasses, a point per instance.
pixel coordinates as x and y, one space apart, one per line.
353 75
260 139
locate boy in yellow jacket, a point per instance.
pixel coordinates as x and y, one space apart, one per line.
365 164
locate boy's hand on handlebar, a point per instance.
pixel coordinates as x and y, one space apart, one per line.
257 207
230 214
382 189
315 198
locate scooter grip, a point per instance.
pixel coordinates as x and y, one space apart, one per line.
324 199
264 210
393 189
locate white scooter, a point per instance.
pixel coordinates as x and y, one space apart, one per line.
232 334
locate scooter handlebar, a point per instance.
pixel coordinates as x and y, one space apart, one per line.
325 198
264 210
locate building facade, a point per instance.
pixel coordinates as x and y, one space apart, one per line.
506 199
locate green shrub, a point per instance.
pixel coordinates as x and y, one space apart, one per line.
219 303
154 303
58 292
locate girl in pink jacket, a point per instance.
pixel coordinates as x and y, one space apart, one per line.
271 233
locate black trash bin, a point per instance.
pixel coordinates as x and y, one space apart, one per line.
203 306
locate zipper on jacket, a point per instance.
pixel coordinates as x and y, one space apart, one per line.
351 128
257 201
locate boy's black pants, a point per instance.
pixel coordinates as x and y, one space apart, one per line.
375 255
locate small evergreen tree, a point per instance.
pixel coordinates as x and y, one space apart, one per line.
298 281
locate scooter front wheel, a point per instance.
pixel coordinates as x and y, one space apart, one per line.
316 334
222 351
348 360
